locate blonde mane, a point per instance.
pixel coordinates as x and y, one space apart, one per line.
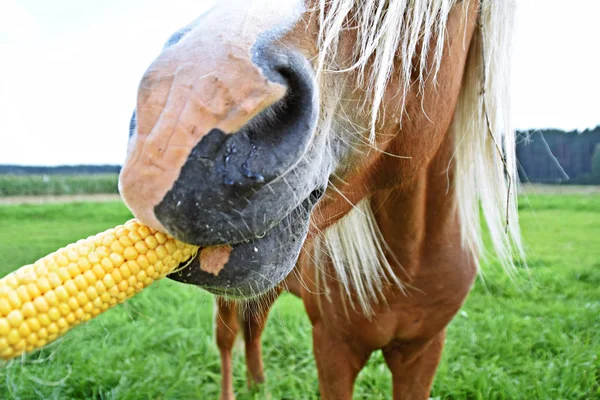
484 159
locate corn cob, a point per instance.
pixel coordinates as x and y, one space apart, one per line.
42 301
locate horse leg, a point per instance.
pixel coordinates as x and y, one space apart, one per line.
227 327
254 319
413 368
338 365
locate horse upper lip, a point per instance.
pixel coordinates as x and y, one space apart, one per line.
312 199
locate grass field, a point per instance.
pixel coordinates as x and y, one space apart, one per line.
57 185
536 336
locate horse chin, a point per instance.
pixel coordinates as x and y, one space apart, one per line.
257 265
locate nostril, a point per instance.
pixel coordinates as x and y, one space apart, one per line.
279 135
296 110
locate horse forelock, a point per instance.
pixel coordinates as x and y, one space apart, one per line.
484 155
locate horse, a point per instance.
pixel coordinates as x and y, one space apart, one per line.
343 150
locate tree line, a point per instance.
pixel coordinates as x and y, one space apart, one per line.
555 156
544 156
59 170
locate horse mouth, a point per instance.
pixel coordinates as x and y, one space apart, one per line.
255 265
243 180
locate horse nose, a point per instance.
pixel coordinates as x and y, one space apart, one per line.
268 144
222 191
225 191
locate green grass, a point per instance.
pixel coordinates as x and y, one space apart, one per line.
533 336
56 185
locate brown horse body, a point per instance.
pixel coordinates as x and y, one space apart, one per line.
242 125
414 206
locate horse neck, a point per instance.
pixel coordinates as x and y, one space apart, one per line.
419 219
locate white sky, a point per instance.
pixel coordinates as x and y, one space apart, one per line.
69 71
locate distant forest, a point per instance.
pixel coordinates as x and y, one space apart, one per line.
555 156
59 170
545 156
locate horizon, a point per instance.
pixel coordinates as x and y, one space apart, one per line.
74 67
534 130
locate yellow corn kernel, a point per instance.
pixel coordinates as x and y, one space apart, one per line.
108 239
82 248
100 287
82 299
72 255
33 290
44 319
141 276
22 293
151 272
107 265
171 247
93 257
109 281
98 271
117 259
43 333
79 314
123 286
4 327
62 323
63 274
5 307
117 248
113 291
144 231
73 270
141 247
151 241
130 254
161 252
14 300
53 328
34 324
91 293
125 272
54 314
32 339
54 280
43 284
24 330
42 301
141 262
20 346
117 277
64 309
15 318
61 293
13 336
29 310
71 287
84 264
70 318
81 282
51 298
90 278
73 303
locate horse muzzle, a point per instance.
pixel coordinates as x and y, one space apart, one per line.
237 167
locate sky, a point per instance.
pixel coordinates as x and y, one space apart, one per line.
69 71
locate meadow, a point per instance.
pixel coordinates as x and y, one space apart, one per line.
57 185
532 335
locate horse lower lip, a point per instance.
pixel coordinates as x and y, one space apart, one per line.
255 265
